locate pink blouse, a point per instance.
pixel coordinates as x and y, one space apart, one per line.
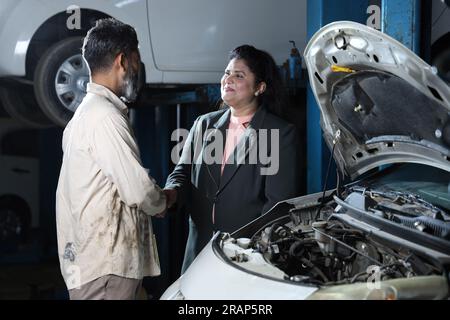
235 130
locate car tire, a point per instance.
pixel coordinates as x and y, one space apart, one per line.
19 103
60 80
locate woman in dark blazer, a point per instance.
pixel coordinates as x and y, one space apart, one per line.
224 174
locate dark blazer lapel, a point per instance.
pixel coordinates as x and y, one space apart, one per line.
245 146
220 128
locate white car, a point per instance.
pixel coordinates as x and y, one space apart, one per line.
181 42
384 236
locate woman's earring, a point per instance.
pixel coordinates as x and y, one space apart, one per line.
256 93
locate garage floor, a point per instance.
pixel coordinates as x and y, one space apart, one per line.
31 270
32 281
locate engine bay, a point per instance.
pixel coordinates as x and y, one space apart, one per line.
322 245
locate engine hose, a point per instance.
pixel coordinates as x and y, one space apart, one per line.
314 269
297 248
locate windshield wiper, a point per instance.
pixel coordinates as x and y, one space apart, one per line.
409 210
406 203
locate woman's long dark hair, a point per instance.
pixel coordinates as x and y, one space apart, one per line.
265 70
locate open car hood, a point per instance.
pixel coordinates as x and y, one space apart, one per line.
379 101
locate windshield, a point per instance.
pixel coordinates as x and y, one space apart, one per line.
430 184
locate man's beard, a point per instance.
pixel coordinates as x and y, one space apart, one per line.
130 87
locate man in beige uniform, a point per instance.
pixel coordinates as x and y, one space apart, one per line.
105 197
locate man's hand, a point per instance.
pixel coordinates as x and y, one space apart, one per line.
171 196
161 214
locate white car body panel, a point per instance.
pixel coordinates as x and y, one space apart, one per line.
209 278
191 39
202 45
15 40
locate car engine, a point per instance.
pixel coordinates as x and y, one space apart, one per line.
315 246
330 253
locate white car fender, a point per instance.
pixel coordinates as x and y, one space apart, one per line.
32 14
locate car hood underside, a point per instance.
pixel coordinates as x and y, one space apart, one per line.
379 102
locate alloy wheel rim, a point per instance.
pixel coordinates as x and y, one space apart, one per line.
71 82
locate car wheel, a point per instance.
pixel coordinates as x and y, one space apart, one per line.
60 80
19 102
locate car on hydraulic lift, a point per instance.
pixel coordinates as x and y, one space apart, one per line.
181 42
383 235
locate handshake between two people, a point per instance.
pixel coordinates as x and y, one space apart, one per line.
171 198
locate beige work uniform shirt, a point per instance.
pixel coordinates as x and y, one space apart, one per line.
105 197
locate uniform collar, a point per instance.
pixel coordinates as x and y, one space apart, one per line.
100 90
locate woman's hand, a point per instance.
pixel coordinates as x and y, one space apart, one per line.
171 196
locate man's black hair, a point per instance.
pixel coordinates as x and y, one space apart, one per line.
105 41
